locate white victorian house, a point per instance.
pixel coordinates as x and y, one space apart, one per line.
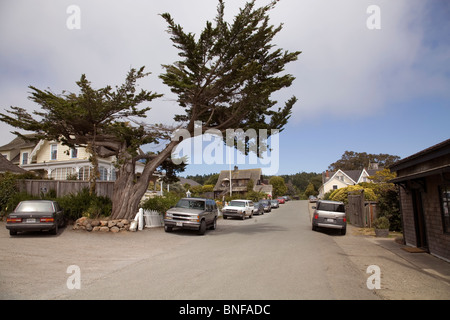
51 159
333 180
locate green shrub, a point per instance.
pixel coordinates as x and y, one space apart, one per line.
84 204
161 204
381 223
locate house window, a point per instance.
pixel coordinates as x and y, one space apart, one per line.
53 152
444 194
84 173
103 174
335 187
25 158
74 153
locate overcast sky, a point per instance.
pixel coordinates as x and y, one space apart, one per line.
382 90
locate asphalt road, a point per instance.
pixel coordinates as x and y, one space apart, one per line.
273 256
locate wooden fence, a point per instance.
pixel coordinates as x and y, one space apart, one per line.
360 212
64 187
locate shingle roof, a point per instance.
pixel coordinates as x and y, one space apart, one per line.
251 174
19 143
8 166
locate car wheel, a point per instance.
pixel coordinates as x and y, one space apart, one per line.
214 225
225 217
243 216
12 232
54 231
167 229
202 229
343 231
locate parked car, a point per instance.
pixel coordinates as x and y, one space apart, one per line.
259 208
312 199
192 213
239 209
266 205
329 214
36 215
281 200
274 204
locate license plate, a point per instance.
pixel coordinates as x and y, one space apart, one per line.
179 224
30 220
330 220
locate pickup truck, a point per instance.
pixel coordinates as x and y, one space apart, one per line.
239 209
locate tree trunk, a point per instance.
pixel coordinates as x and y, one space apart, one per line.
127 191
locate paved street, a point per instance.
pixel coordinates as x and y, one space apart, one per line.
274 256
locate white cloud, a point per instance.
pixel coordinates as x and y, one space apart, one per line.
345 69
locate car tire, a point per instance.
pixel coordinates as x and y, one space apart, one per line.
225 217
343 231
167 229
12 232
214 224
202 229
54 231
243 217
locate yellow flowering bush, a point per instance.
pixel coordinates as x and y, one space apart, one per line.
342 193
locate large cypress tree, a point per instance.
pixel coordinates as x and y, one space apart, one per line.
224 80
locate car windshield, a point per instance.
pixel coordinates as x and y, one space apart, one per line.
335 207
34 206
264 201
237 203
191 204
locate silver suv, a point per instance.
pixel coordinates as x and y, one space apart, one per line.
329 214
192 213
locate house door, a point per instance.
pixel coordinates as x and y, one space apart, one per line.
419 219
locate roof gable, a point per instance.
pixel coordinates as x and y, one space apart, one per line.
8 166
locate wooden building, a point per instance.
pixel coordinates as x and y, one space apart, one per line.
424 182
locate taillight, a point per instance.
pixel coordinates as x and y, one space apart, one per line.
345 219
316 216
14 220
47 220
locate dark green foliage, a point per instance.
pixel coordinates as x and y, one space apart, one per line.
228 73
161 204
85 204
351 160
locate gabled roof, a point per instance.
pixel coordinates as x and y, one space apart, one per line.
353 175
19 143
8 166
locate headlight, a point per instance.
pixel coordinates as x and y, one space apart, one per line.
194 218
168 215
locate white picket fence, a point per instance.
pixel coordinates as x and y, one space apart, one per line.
153 219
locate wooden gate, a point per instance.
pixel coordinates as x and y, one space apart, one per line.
360 213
